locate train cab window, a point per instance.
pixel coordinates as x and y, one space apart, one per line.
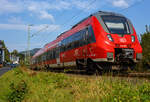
116 24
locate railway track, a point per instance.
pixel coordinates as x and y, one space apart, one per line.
113 73
135 74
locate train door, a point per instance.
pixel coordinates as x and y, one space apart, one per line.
58 53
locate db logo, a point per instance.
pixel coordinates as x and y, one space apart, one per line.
123 40
76 52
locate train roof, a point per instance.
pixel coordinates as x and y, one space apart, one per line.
94 14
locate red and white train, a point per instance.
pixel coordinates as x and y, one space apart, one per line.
102 39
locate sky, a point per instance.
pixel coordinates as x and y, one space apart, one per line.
59 16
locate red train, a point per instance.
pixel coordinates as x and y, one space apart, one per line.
101 41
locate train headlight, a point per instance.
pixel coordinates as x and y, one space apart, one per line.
133 38
110 38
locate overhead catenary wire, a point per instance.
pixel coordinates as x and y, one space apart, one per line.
39 31
75 16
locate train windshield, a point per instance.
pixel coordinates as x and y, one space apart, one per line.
116 24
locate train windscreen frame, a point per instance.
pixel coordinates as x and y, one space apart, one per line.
116 24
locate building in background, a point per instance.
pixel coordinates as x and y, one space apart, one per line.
2 54
14 59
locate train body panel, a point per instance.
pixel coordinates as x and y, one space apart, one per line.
102 37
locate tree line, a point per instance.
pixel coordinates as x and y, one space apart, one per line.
8 54
145 43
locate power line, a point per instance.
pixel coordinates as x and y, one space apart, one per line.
39 31
77 14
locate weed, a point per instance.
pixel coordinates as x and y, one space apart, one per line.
18 92
144 92
58 87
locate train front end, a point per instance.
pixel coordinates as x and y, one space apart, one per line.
117 39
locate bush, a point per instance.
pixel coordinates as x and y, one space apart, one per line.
145 43
144 91
18 92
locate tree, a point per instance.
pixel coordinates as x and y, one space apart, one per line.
21 57
6 51
15 52
145 43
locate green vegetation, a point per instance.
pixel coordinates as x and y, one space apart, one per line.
7 54
145 43
22 84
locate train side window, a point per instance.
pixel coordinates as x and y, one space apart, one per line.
76 40
63 45
81 38
91 36
50 55
69 43
84 40
54 53
57 52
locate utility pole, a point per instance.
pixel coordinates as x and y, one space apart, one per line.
28 43
28 57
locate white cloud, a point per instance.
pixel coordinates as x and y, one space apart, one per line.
46 15
43 5
10 7
24 27
41 8
12 27
23 46
120 3
84 5
15 20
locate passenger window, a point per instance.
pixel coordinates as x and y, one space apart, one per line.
91 37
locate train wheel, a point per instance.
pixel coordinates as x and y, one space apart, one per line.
99 70
79 66
90 67
93 68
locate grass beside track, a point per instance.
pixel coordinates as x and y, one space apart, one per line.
22 84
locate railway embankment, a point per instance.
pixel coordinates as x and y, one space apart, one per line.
22 84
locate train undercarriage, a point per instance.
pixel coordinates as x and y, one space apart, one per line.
123 61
